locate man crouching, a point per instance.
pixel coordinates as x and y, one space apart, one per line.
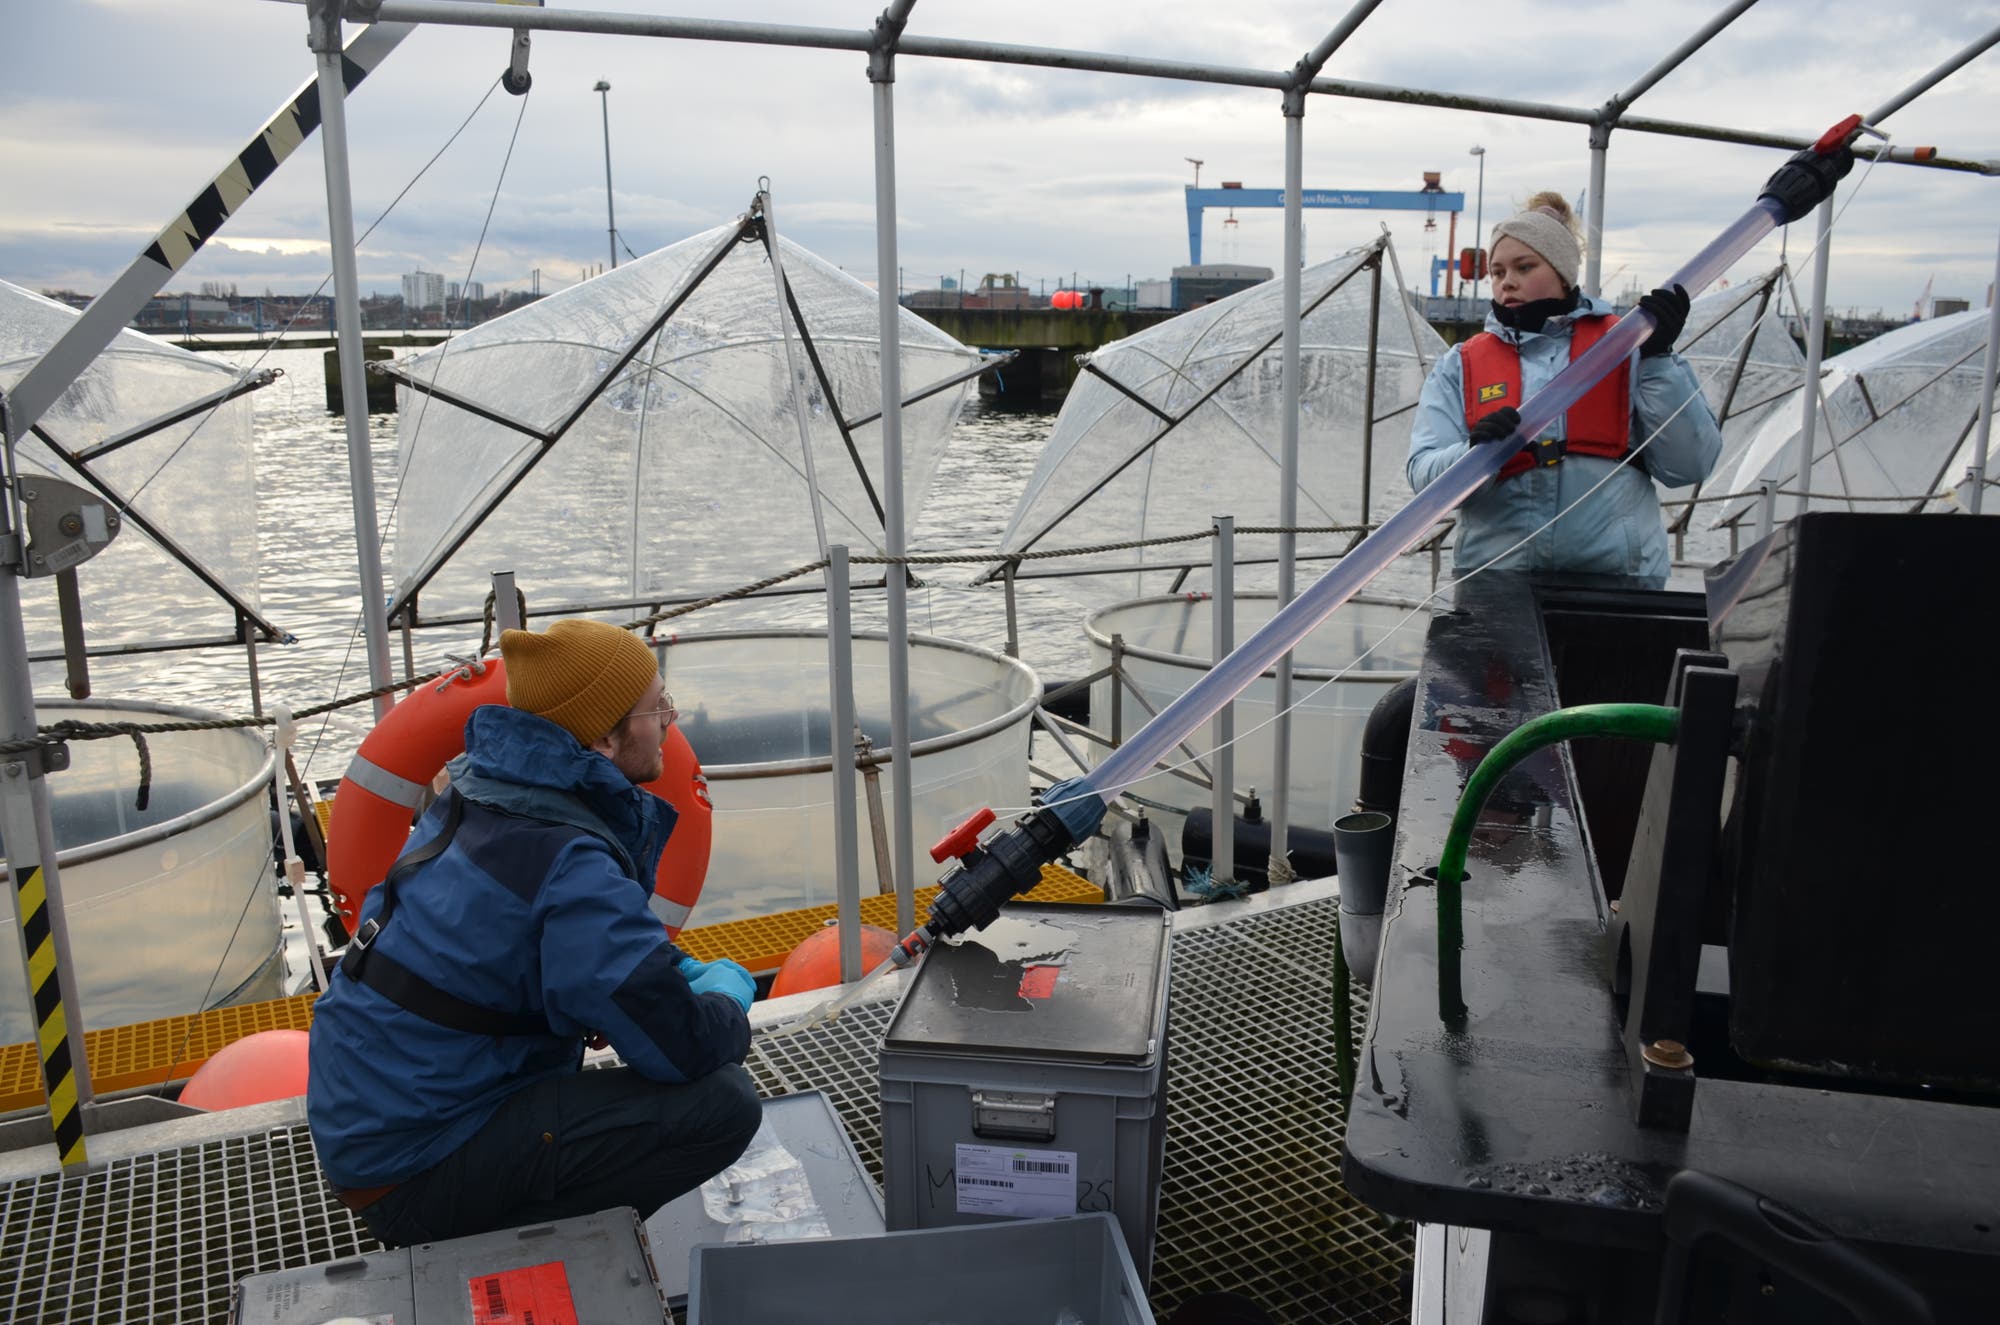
445 1095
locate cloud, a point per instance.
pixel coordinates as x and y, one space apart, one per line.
999 167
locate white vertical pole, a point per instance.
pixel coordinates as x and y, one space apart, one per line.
1593 237
1983 436
1816 341
325 40
840 737
1222 849
1288 476
881 73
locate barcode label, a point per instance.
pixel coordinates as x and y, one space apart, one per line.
1020 1184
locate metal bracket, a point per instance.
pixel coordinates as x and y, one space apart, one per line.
1653 946
66 525
517 79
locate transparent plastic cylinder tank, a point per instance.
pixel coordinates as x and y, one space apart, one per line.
1168 646
754 708
171 909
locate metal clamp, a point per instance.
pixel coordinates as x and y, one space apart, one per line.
66 524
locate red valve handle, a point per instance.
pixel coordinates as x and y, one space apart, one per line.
962 838
1837 137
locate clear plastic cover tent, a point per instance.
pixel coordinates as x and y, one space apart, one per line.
1181 423
1747 361
1896 420
186 486
636 434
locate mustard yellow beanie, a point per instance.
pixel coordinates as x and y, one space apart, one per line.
584 676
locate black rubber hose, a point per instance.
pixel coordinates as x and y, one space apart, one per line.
1385 742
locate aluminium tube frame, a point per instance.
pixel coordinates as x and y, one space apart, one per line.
1222 837
902 799
840 734
1982 436
1815 347
323 23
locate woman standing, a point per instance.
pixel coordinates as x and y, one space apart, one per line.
1538 323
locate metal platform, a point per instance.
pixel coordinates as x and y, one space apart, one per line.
1251 1200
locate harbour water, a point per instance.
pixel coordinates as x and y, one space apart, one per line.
309 586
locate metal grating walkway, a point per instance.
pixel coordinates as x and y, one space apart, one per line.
1250 1201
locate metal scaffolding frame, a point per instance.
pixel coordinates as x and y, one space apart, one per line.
339 67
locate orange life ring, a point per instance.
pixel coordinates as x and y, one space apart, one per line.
390 777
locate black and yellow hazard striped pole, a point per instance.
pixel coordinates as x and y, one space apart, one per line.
30 840
64 1075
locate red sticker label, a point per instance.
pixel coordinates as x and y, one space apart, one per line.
531 1295
1039 982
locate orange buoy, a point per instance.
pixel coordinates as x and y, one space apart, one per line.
390 777
270 1065
815 963
684 864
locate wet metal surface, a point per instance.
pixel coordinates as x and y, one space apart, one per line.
1521 1118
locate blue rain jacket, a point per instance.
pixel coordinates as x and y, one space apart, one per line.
537 906
1618 530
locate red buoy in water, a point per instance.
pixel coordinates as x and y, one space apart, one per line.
815 963
270 1065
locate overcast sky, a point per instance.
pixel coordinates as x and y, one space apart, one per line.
118 111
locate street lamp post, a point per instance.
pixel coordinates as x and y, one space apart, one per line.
1479 227
610 217
1197 164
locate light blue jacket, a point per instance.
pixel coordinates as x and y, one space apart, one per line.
1617 530
536 907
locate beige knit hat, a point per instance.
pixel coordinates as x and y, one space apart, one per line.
1544 231
584 676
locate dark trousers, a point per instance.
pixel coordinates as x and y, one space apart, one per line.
573 1145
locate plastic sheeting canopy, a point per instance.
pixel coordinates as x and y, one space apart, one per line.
1897 421
683 472
195 481
1205 440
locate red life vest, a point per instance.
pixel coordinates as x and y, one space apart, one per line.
1600 424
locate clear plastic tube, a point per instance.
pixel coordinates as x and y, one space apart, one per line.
1401 531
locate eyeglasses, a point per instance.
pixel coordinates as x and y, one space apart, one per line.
667 712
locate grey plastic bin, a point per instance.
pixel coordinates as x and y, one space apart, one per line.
982 1057
1023 1272
595 1268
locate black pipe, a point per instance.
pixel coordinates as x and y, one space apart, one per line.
1074 706
1385 742
1311 849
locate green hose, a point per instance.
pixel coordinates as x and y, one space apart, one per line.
1642 722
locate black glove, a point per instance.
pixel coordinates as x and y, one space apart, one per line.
1670 313
1497 426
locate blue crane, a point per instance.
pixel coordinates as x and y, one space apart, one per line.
1431 200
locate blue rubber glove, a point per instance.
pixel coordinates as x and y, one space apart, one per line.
691 969
726 977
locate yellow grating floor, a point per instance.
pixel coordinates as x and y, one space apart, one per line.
761 942
150 1052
